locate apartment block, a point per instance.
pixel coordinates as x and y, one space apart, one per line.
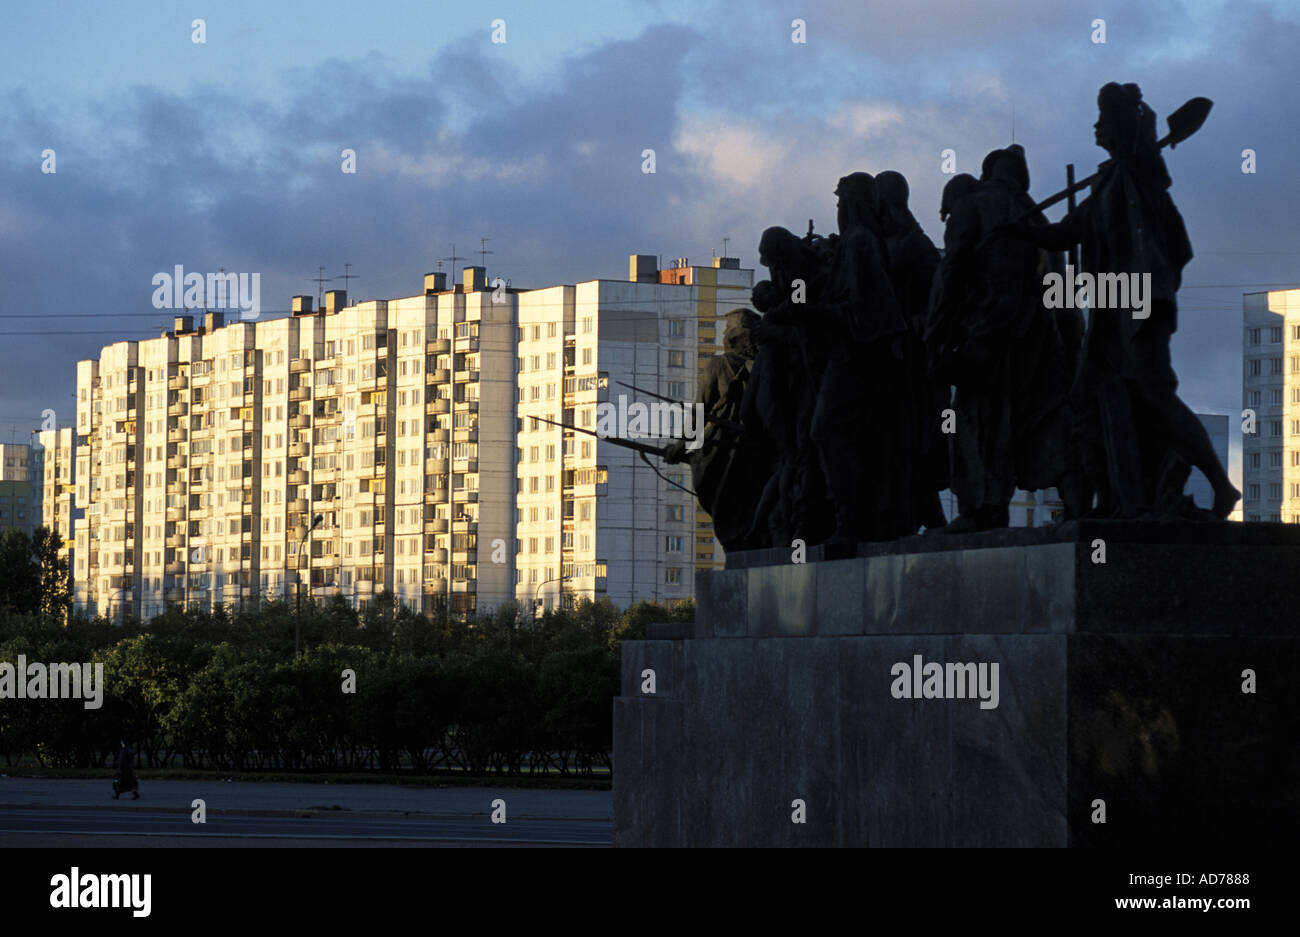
53 475
390 445
1271 389
19 509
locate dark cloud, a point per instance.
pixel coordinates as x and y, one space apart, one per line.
749 129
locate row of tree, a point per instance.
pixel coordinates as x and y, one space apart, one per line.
388 690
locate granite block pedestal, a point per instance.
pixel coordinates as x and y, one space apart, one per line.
1159 689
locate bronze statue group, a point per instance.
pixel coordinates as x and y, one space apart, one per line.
878 372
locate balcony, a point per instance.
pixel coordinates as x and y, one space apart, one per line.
174 595
467 465
435 466
175 540
470 406
439 435
175 512
437 525
120 582
176 461
437 376
298 477
470 376
467 496
436 555
176 409
298 506
299 365
177 382
175 568
471 434
467 343
299 394
436 586
439 346
436 496
437 406
299 421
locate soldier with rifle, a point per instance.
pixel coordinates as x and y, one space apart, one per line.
730 470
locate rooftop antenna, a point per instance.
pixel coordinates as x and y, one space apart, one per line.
483 251
1013 121
319 279
348 275
725 242
453 258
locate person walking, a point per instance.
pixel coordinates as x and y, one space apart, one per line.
125 780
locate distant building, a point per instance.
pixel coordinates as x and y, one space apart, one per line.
407 427
19 508
54 487
1271 389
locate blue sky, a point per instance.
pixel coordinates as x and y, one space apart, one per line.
226 154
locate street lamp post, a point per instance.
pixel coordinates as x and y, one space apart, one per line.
297 618
539 589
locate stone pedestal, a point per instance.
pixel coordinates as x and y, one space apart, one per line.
1120 689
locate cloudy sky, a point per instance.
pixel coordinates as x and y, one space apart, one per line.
227 153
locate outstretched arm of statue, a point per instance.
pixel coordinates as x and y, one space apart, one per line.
1054 237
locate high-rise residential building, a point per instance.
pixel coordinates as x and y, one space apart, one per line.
19 509
53 476
1271 390
389 445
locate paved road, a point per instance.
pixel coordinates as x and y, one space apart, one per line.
43 811
149 823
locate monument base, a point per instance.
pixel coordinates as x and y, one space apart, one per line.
1147 700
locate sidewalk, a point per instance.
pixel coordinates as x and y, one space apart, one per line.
251 796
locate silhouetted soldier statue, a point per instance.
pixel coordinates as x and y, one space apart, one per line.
782 391
731 468
912 261
1138 437
1004 351
864 414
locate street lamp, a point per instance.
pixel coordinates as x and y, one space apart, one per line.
297 618
539 589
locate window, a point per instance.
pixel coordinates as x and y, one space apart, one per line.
586 356
1275 365
1252 335
677 390
1275 334
676 328
673 576
676 359
1275 459
1252 492
673 512
672 544
586 324
1254 460
1254 365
